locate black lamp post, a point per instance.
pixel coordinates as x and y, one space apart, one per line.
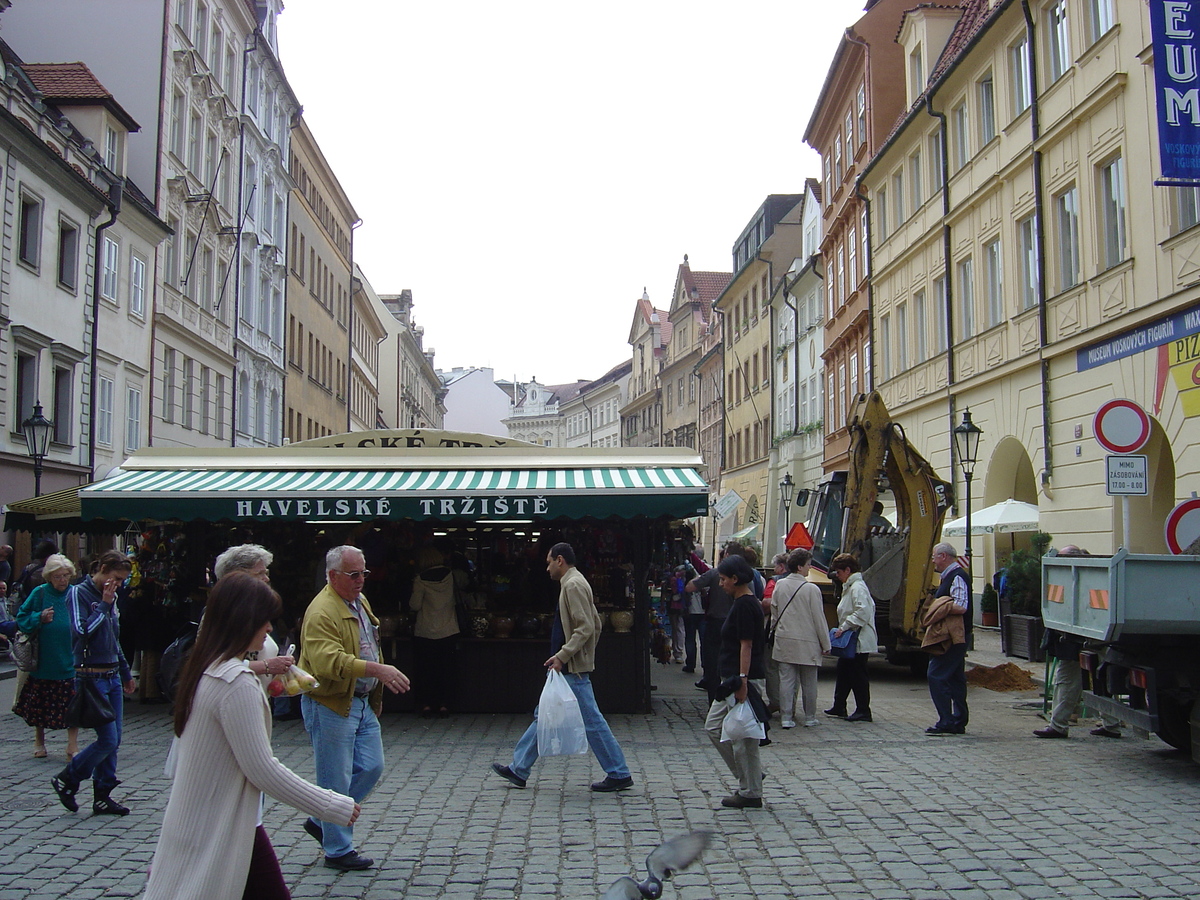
785 491
37 429
966 443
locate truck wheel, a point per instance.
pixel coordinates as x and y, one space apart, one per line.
1173 724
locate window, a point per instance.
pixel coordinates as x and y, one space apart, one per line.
1112 211
1066 214
205 299
1101 18
68 254
885 342
860 107
29 249
960 145
914 179
137 285
939 313
244 404
64 384
219 397
1058 36
901 337
170 362
195 130
920 326
1027 236
965 280
828 167
994 275
987 109
108 272
881 213
230 68
27 389
837 161
112 149
849 137
865 236
133 418
1185 208
916 73
205 399
1019 75
852 260
171 258
936 181
104 410
189 392
898 197
853 375
840 254
216 47
177 107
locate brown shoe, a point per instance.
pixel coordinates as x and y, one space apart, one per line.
1104 731
737 801
1049 732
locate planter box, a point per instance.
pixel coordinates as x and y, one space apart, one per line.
1022 637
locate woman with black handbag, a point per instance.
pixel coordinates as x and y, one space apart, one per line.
44 697
856 613
103 673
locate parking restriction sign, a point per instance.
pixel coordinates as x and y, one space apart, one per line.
1126 475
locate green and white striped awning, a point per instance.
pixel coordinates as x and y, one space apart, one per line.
360 494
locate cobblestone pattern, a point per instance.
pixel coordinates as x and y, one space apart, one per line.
853 811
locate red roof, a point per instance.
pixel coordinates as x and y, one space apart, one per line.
711 284
72 83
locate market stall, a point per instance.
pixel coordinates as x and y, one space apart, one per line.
495 509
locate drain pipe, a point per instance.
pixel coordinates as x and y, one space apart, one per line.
115 193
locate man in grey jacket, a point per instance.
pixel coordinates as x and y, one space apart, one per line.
573 641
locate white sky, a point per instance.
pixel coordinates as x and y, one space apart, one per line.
527 167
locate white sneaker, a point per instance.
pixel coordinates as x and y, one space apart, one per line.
809 723
788 723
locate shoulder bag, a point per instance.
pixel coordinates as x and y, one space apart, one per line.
845 646
88 708
776 619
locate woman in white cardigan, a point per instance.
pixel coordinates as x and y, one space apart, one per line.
210 846
800 636
856 612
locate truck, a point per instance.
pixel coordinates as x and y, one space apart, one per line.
1140 617
896 557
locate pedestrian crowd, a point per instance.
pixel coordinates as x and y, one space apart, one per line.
759 643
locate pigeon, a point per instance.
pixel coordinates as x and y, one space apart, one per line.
664 861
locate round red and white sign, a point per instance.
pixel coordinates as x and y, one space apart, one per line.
1121 426
1183 525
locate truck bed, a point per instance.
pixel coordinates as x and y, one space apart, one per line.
1108 597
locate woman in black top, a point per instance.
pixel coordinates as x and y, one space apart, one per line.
740 656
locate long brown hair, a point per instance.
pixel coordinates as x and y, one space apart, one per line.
238 606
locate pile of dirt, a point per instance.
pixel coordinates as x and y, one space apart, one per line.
1006 677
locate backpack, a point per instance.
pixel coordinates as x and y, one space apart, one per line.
172 661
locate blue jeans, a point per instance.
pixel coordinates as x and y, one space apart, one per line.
348 752
98 760
599 735
948 686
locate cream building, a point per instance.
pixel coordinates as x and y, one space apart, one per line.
411 395
593 416
1024 291
641 416
797 311
321 220
762 256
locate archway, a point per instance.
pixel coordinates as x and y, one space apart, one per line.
1009 476
1148 514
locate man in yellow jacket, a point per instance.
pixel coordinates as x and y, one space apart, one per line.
573 640
340 648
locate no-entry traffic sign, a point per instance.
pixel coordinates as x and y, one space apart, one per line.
1183 525
1121 426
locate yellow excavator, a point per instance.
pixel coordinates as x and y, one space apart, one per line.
847 515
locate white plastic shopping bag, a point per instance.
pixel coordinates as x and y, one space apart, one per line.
741 723
560 728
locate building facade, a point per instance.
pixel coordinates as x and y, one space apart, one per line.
320 224
641 416
474 401
409 387
593 416
536 413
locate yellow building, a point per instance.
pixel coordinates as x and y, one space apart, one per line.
1050 276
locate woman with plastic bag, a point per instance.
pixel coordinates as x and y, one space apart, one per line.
740 661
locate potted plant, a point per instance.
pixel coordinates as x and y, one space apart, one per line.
989 605
1023 628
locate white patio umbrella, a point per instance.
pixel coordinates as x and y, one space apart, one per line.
1001 518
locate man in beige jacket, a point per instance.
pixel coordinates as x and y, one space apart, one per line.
573 639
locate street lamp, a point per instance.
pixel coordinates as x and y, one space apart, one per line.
37 429
785 491
966 443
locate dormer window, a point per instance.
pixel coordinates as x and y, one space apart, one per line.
112 149
916 74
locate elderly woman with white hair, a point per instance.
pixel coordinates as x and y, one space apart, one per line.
254 559
44 698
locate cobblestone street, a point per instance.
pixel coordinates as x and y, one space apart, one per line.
853 810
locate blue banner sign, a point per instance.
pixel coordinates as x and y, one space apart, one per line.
1153 334
1174 25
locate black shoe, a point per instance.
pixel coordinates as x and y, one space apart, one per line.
938 731
689 669
764 742
1105 731
1049 732
65 788
737 801
349 862
315 831
506 772
701 684
613 784
105 805
836 713
859 716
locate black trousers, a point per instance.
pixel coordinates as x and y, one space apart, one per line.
710 651
435 668
852 677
